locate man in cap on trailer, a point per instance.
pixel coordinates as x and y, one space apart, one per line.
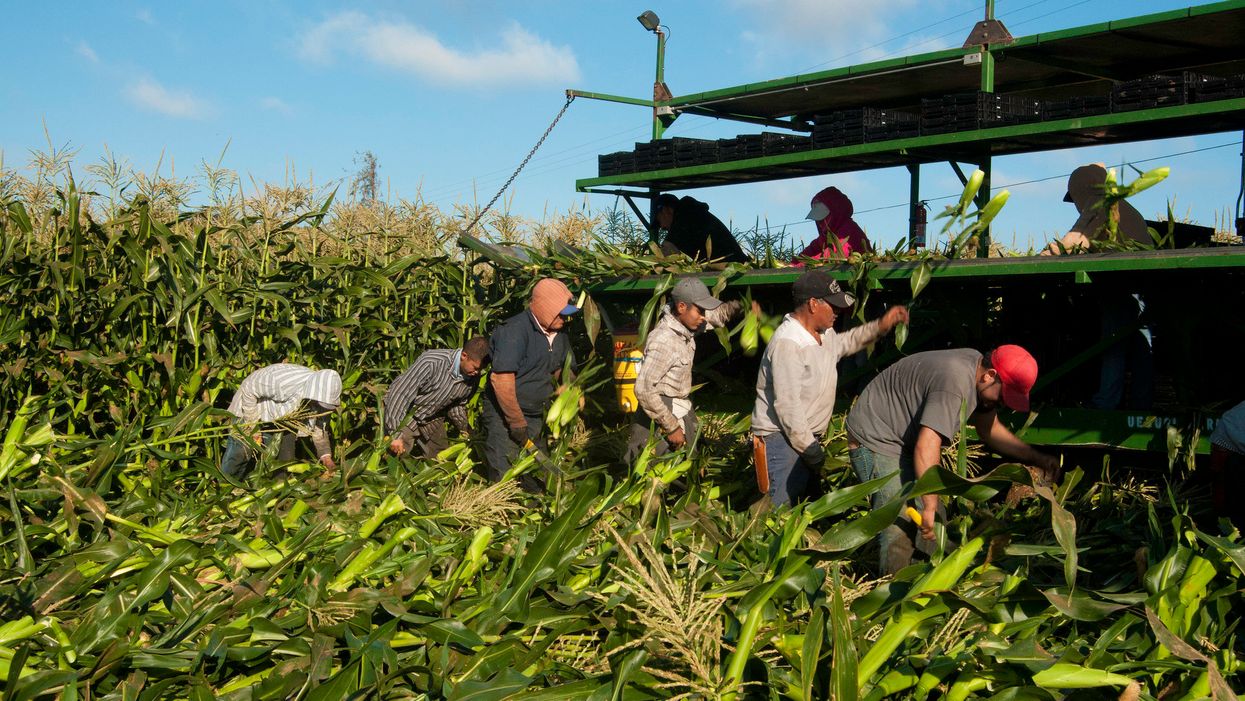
838 235
527 351
283 401
663 384
797 383
1085 191
693 230
906 415
435 388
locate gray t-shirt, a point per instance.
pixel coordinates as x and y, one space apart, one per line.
924 389
1230 431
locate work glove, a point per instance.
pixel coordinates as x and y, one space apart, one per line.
814 456
518 434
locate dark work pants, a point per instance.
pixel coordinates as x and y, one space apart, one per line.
500 451
642 426
900 540
429 437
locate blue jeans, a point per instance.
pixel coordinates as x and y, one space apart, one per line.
899 540
239 457
788 475
1130 354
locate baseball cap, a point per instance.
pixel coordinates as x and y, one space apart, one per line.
1085 179
691 290
817 283
818 212
1017 371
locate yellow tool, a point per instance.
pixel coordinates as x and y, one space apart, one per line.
914 515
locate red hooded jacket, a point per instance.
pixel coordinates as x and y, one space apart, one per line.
838 223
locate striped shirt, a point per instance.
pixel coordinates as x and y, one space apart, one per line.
433 386
275 392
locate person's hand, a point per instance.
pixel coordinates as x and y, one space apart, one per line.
258 438
893 317
756 309
397 446
518 434
1048 464
676 438
327 461
928 513
814 456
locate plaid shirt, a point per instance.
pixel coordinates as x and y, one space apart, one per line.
432 387
666 370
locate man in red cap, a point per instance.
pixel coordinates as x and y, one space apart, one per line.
528 351
906 415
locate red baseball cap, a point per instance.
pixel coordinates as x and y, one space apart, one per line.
1017 371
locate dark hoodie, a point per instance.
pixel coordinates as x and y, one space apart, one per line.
839 224
693 225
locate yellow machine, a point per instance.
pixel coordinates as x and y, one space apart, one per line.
627 357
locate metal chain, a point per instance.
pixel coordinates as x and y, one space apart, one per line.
515 174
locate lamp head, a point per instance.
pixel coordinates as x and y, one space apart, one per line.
649 20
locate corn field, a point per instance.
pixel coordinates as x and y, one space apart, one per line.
132 569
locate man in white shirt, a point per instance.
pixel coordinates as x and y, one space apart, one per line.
797 383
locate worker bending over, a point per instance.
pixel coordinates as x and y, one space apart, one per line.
912 409
435 388
691 229
282 402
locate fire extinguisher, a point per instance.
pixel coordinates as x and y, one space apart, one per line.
918 225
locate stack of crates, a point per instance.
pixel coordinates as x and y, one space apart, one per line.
1152 91
1073 107
619 163
694 152
775 143
976 110
858 126
1209 88
741 147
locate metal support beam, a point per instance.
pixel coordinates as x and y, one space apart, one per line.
916 217
659 85
959 173
606 97
641 217
763 121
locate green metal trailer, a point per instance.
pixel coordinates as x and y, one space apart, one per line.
1194 296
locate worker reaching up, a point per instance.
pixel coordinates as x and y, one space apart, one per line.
838 235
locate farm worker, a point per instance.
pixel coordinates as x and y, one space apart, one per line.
905 416
527 351
663 385
1085 186
692 230
797 382
1227 465
284 400
837 233
1118 309
432 390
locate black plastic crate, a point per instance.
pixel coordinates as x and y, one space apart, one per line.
1080 106
690 152
1152 91
980 110
618 163
857 126
741 147
776 143
1209 88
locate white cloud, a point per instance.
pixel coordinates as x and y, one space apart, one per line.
153 96
276 104
517 57
144 16
84 50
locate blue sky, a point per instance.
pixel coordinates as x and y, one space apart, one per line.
450 95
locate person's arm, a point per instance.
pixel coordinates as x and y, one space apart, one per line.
457 414
659 356
857 339
1001 440
786 381
925 455
321 439
503 384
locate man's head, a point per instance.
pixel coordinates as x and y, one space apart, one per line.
689 301
1085 186
551 303
663 211
474 356
324 387
819 299
1006 376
